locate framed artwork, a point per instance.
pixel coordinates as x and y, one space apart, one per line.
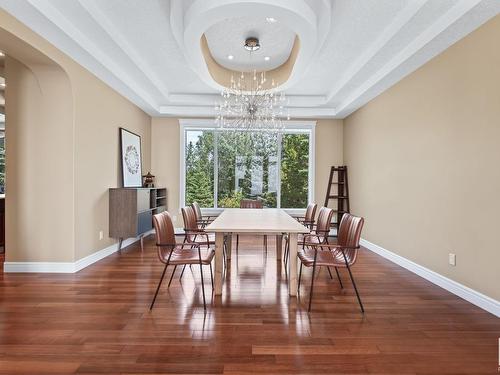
131 156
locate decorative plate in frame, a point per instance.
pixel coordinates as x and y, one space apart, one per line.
131 158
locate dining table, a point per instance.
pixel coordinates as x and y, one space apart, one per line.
267 221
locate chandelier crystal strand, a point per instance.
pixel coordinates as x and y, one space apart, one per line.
247 105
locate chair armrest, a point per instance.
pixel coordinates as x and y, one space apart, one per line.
185 244
331 245
199 232
191 231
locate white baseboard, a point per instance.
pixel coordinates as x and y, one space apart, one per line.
67 267
486 303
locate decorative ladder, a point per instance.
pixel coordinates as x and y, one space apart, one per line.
340 194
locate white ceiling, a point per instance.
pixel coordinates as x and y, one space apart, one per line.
350 51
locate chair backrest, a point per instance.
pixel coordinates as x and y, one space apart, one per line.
324 222
250 203
350 234
197 210
310 212
190 223
164 228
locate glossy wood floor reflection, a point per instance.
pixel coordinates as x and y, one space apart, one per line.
98 321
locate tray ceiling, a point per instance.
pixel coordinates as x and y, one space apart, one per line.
350 50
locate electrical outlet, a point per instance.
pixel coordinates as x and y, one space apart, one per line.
101 235
452 259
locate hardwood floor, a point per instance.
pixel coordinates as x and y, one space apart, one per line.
98 321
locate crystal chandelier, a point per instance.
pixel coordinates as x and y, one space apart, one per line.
249 103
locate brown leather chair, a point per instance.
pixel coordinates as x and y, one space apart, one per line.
172 253
307 220
202 220
250 203
344 253
192 232
310 214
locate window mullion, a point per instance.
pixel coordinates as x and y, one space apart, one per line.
278 182
216 167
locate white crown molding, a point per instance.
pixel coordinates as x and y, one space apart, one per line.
93 9
210 124
438 27
389 32
209 111
211 99
484 302
67 267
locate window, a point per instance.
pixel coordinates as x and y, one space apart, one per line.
222 167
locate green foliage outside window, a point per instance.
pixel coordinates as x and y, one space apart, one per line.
247 168
294 170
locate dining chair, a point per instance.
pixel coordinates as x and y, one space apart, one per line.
250 203
172 253
192 232
342 254
202 220
307 220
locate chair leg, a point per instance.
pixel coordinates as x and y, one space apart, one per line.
287 249
158 288
354 284
237 243
182 273
265 243
312 280
340 280
171 276
300 277
202 283
212 276
330 272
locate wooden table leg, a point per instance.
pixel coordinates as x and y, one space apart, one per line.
229 245
292 283
219 243
279 247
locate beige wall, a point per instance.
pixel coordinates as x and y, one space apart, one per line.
424 163
166 153
99 113
165 160
59 167
39 168
329 151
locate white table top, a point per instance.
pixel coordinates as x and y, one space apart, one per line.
250 220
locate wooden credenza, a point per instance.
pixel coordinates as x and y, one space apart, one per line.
131 211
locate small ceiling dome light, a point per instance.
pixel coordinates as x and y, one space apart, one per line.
2 54
230 57
267 58
252 44
271 19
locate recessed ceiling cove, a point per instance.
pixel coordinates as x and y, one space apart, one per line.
226 41
223 25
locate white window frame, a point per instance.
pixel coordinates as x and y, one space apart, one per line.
291 127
